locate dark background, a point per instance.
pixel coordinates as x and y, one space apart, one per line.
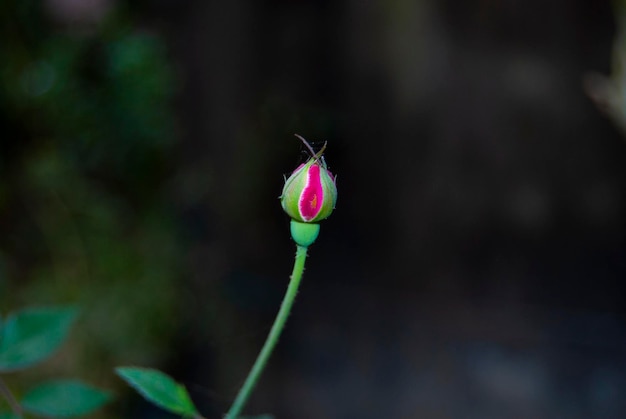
474 266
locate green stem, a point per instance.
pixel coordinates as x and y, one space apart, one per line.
272 338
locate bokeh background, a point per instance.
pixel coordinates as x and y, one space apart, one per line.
474 266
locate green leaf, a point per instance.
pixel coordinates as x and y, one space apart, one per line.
159 389
30 336
64 399
8 415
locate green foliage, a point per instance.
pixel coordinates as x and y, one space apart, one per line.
30 336
159 389
64 399
84 208
85 215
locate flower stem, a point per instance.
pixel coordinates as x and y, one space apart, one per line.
6 393
272 338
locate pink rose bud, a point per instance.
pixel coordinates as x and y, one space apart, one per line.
310 193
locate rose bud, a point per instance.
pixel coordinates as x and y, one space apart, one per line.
310 193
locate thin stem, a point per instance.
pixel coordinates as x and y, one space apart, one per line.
10 398
272 338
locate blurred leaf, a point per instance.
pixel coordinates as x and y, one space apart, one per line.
159 389
8 415
30 336
64 399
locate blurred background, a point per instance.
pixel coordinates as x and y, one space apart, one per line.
474 266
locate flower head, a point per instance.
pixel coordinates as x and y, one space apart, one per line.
310 193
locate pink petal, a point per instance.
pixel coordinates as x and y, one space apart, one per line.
312 195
